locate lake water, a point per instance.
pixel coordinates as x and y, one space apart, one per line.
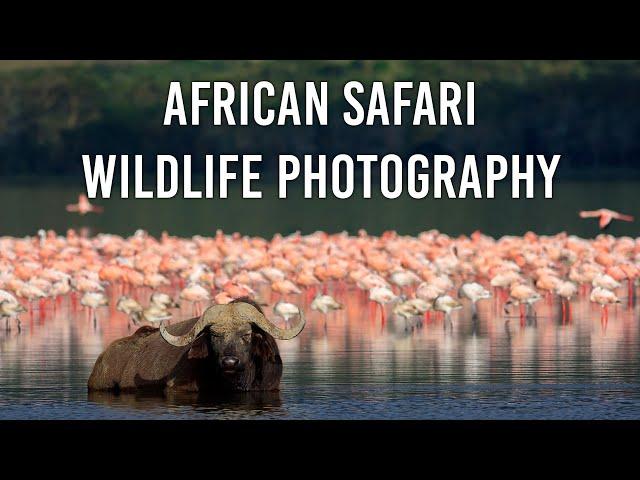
33 206
351 364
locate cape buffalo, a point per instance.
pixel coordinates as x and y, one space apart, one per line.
229 348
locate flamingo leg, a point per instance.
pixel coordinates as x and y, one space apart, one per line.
310 294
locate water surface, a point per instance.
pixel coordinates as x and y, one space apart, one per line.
41 205
354 365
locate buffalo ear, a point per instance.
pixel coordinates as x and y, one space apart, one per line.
199 348
264 346
257 341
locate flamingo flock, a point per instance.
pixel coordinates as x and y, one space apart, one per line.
409 277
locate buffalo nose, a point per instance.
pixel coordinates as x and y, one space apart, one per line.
229 362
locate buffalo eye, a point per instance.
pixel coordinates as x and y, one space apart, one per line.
246 337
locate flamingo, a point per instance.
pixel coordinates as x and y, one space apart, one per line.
195 293
325 304
382 296
404 278
94 300
522 295
128 306
222 298
286 310
285 287
83 206
163 300
151 314
419 305
474 292
605 281
605 215
446 304
10 310
405 310
566 290
428 293
604 298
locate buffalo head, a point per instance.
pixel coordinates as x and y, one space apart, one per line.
238 339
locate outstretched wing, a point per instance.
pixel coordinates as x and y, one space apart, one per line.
589 213
623 217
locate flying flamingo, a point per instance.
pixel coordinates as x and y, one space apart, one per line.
605 216
83 206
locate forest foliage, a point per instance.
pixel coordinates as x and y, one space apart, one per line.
52 113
